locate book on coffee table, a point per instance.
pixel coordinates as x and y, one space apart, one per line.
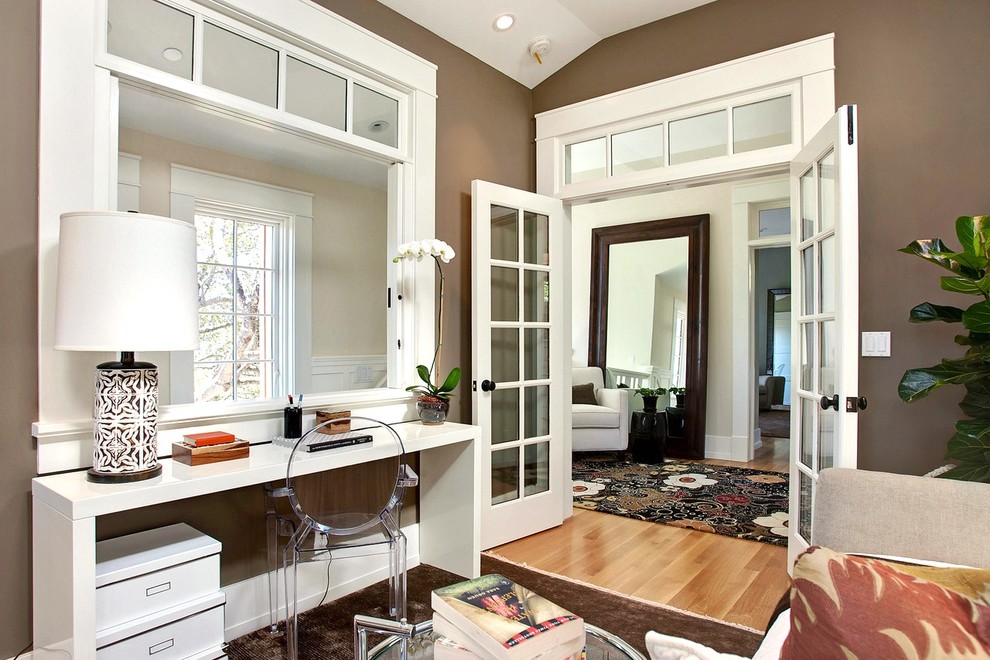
501 620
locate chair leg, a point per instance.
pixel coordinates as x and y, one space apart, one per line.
399 593
291 605
271 522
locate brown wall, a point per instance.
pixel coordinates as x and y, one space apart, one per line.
18 322
917 71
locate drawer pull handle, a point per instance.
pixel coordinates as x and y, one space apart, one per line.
157 589
161 646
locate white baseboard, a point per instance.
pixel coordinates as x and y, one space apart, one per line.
719 447
247 606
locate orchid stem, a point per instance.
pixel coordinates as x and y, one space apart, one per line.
435 367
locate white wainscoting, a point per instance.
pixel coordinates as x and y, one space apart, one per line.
335 373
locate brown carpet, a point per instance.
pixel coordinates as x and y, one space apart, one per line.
327 631
775 423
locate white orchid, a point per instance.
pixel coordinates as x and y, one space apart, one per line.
439 251
429 247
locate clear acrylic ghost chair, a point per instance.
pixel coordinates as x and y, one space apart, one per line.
321 528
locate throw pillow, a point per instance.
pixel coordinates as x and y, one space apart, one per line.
668 647
584 394
844 606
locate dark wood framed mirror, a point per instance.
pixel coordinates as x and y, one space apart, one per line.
695 229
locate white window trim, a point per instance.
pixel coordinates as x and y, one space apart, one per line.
77 170
804 70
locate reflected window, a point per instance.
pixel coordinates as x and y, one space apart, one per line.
634 151
376 116
315 94
168 48
239 65
238 356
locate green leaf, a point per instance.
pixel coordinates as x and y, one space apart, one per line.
965 285
927 311
968 472
451 381
968 449
977 317
918 383
424 374
976 403
973 231
935 251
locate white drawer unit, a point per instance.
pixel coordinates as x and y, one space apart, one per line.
158 595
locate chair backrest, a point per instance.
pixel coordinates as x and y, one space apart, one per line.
348 501
593 375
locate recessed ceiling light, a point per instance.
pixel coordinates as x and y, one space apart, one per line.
504 22
378 126
172 54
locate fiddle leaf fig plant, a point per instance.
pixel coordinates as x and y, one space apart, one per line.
969 268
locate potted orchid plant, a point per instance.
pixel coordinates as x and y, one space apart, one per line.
434 394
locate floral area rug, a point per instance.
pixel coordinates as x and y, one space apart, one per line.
747 504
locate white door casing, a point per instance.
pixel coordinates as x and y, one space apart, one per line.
825 315
520 365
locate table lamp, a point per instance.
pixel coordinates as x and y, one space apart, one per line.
126 282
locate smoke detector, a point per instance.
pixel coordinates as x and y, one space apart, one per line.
539 48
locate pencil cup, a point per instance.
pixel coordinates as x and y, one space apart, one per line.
292 422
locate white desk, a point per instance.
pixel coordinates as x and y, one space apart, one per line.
65 508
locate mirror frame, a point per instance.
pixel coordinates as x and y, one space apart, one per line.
771 300
696 229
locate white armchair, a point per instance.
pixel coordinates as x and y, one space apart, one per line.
601 427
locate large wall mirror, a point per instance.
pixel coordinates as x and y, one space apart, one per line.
649 313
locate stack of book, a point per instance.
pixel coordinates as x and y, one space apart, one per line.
211 447
493 618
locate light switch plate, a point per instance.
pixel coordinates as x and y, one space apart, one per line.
876 344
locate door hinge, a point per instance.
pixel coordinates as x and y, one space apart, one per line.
850 130
388 298
400 344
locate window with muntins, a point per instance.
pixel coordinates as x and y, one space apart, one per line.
241 287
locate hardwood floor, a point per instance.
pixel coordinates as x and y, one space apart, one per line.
718 576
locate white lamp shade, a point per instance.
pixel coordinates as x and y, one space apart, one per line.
126 282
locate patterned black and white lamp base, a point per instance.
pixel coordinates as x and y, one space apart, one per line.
125 443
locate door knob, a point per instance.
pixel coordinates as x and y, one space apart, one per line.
487 385
855 404
830 402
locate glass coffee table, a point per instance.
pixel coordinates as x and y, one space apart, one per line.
599 645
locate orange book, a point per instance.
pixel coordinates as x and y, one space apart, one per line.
210 438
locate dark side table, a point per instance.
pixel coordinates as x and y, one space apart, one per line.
648 436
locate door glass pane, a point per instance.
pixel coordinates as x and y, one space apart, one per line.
635 151
505 294
505 354
827 381
536 474
537 353
505 415
536 239
826 194
537 295
537 411
807 204
761 125
809 408
804 506
315 94
826 438
505 475
168 47
584 161
376 116
808 268
807 344
697 138
238 65
826 275
505 233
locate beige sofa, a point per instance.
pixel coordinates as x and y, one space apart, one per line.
877 513
771 390
601 427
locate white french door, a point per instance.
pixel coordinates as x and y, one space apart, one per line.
825 318
518 271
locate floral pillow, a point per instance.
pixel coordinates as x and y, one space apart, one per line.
844 606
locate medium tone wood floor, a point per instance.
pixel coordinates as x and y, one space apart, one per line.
718 576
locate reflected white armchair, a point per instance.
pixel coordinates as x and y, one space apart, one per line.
603 425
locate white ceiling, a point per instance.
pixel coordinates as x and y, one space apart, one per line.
572 26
